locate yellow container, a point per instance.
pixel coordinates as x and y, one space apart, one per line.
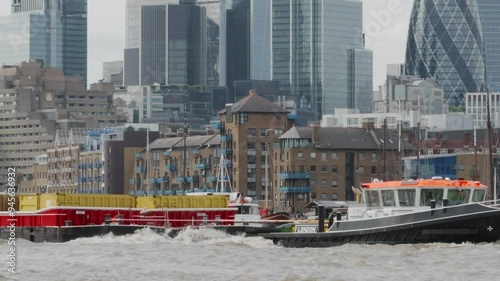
87 200
184 202
4 202
145 202
29 202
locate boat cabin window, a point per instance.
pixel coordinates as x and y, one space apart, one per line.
427 195
247 210
458 196
388 198
478 195
406 197
372 198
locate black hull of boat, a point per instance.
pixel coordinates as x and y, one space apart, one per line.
473 223
68 233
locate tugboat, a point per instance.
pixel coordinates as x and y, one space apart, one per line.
433 210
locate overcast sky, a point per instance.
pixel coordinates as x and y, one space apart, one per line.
385 22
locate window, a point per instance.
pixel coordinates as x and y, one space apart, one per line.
361 155
374 170
372 198
427 195
430 151
301 169
388 198
263 132
313 155
374 156
323 183
443 151
300 155
334 197
457 197
251 132
478 195
334 183
334 155
323 155
323 196
361 169
334 169
461 167
324 168
313 183
313 168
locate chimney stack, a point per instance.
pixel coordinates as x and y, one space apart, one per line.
467 139
368 124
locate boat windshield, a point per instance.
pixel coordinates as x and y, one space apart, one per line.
427 195
388 198
478 195
372 198
458 196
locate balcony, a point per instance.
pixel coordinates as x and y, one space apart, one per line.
165 179
226 151
211 179
151 180
169 167
131 181
138 155
196 152
202 166
295 176
82 179
300 189
167 153
158 180
139 169
97 178
226 138
181 179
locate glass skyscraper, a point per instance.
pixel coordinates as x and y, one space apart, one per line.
173 44
445 42
51 31
316 47
489 11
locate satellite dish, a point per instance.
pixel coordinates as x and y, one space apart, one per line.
375 180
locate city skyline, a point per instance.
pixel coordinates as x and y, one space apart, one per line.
385 26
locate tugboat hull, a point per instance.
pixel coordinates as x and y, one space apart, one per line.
467 223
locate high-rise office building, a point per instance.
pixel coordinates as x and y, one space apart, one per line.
318 54
51 31
445 42
173 45
215 35
490 21
248 42
216 40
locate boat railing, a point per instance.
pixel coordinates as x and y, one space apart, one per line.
492 203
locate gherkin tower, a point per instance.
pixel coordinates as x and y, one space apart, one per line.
445 42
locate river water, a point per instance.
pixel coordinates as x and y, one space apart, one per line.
213 255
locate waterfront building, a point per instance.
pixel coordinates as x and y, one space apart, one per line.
35 102
119 149
318 55
489 11
445 43
316 163
38 183
51 31
172 173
